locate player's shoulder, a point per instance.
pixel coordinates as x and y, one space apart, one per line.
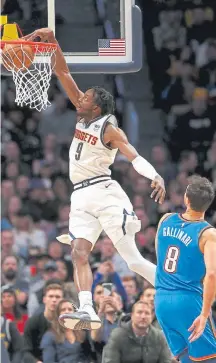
209 233
111 121
165 216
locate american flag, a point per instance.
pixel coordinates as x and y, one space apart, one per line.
112 47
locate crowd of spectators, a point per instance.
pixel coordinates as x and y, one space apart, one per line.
182 34
37 271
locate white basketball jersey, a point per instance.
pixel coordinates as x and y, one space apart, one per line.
89 156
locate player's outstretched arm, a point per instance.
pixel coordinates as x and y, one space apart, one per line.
118 140
60 68
208 247
210 279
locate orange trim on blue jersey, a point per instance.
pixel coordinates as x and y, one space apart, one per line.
180 354
202 358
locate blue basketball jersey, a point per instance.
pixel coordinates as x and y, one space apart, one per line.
180 263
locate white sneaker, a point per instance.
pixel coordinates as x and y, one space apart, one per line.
85 318
95 320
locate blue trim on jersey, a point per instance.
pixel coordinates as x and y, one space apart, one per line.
125 214
72 236
123 224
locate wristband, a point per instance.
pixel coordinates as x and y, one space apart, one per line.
144 168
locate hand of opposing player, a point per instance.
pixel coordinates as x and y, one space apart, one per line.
197 328
159 191
45 34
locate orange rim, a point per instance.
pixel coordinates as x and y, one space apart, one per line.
37 46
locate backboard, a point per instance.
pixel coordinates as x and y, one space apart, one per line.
96 36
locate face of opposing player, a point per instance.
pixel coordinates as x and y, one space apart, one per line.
87 106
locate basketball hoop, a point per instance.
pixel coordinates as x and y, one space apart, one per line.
31 65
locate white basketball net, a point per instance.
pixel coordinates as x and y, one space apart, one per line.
32 83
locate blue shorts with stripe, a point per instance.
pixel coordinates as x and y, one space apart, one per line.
176 312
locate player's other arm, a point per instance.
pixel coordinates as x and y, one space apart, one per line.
118 140
209 290
61 69
208 247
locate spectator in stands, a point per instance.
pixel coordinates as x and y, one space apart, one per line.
26 233
22 185
12 153
148 296
98 294
54 117
188 162
62 270
160 160
55 250
35 301
11 309
4 353
11 279
12 340
65 345
7 242
38 324
31 142
148 250
132 291
50 147
60 189
127 343
11 170
7 191
41 200
197 126
14 206
37 259
110 312
106 272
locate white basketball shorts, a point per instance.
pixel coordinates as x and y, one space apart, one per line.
101 206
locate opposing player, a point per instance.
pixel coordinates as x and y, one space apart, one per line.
186 254
98 202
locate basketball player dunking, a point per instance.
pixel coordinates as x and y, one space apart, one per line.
186 254
98 202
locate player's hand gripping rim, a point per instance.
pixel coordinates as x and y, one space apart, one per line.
45 34
197 328
159 191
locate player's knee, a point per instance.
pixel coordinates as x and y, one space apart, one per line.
80 251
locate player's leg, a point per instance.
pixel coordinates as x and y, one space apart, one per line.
121 224
177 311
128 250
84 232
169 315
